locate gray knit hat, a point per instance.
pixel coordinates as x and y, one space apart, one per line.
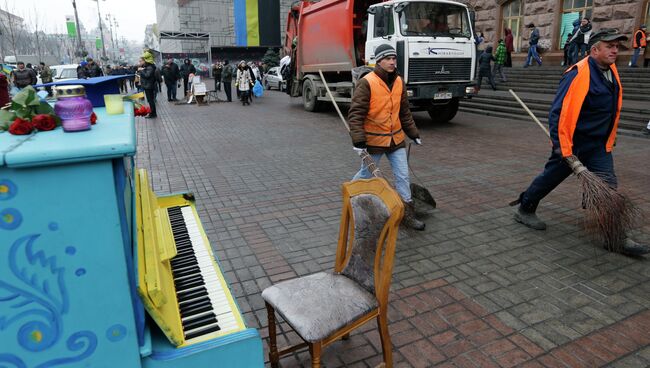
383 51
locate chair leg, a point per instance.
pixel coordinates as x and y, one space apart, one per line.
315 351
386 346
274 358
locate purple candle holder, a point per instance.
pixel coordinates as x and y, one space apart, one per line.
73 108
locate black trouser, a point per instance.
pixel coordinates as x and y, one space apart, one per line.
151 99
217 84
228 89
171 90
597 160
487 74
185 86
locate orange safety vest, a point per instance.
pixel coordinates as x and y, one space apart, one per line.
643 40
382 122
572 104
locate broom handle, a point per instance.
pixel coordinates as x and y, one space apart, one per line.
529 112
365 157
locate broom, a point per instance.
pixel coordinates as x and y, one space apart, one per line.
609 214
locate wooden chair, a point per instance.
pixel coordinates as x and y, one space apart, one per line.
324 307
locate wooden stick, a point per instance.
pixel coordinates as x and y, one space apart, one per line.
529 112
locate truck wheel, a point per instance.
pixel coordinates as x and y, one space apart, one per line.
309 100
444 113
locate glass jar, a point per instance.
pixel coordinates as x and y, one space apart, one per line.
73 107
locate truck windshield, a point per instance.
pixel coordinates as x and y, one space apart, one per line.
433 19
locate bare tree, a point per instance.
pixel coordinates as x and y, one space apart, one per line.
9 27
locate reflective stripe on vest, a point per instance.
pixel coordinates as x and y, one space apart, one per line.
643 40
572 104
382 122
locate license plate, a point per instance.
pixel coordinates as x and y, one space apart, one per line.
442 96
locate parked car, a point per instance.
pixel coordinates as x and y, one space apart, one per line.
64 72
273 79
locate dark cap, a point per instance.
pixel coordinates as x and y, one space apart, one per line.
643 26
532 25
606 34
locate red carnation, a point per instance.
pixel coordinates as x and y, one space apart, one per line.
93 118
21 127
44 122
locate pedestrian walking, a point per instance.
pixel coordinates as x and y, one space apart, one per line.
23 77
380 119
92 69
171 74
499 61
582 121
639 41
580 40
216 74
186 69
147 73
226 80
81 70
243 82
532 47
46 77
485 68
510 47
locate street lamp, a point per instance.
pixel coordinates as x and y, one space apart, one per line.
101 29
76 19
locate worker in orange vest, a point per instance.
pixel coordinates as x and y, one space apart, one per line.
582 122
638 43
380 118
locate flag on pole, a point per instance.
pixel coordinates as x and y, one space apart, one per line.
71 26
98 43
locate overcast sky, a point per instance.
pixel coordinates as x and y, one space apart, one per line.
132 15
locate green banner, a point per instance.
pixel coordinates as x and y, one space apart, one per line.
98 43
71 26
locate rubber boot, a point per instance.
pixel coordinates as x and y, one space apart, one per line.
529 219
409 220
632 248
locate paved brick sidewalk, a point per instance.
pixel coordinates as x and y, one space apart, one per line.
474 290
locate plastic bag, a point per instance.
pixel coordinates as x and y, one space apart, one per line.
258 90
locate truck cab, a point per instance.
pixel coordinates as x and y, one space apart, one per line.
435 48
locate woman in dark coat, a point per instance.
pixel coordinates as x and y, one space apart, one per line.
147 73
4 90
510 46
485 68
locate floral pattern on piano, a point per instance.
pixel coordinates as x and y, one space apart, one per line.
38 300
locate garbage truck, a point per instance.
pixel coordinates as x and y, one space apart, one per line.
434 40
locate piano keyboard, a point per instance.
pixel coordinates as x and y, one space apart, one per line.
203 304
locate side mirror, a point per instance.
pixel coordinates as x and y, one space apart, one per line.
380 21
472 17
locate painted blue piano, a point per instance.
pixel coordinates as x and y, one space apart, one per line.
98 271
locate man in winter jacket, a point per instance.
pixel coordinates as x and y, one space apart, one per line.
582 122
226 79
500 58
484 68
186 69
580 40
147 73
532 47
92 69
23 77
379 118
638 43
171 74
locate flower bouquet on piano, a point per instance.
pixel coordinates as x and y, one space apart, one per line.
139 108
27 112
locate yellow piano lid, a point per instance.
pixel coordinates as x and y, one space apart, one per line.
155 281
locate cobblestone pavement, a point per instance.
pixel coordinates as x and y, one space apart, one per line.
473 290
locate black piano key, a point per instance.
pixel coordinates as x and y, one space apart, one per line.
189 286
202 332
199 322
191 294
192 309
182 282
190 271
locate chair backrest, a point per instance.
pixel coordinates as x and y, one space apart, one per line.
372 211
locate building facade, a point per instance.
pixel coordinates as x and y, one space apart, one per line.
233 27
554 20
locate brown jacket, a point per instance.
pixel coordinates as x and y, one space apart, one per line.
360 106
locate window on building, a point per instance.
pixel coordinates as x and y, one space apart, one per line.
646 19
572 10
512 19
